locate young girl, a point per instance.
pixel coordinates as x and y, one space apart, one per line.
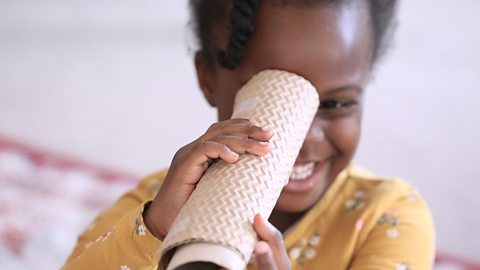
331 215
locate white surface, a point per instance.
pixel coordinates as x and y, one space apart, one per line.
197 252
112 82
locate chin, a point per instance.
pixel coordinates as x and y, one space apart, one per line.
301 198
293 204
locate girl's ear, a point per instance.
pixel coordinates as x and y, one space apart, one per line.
205 78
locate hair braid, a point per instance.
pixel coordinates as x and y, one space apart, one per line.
242 28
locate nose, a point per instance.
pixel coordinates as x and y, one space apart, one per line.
312 146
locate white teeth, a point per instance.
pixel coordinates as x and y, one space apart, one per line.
301 172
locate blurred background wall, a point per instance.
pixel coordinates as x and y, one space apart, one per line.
112 82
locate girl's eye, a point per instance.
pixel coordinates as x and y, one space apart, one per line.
334 104
332 109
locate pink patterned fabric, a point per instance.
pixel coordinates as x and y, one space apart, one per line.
46 201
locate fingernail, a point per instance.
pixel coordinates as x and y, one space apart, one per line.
261 218
264 143
268 130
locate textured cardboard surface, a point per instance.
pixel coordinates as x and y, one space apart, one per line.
222 207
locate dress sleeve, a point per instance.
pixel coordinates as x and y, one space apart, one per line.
118 238
403 238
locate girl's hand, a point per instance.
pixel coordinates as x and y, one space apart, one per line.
224 140
270 252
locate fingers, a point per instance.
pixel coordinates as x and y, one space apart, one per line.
224 140
228 139
238 127
268 232
228 149
264 256
212 150
242 145
274 239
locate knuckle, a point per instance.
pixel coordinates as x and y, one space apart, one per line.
214 126
180 152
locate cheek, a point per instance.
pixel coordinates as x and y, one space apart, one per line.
224 100
225 110
345 135
226 87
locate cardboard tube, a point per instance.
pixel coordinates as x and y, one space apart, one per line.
215 225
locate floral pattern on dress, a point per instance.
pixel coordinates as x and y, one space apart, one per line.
103 237
389 218
140 228
88 245
359 225
402 266
305 249
358 201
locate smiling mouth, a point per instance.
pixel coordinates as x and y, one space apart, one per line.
304 177
301 172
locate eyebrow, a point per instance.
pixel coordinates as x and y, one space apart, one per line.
342 89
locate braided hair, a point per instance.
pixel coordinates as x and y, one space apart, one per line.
207 15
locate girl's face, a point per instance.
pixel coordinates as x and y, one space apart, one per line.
331 46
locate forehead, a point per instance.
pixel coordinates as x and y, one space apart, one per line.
327 44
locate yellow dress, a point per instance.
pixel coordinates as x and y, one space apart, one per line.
361 222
